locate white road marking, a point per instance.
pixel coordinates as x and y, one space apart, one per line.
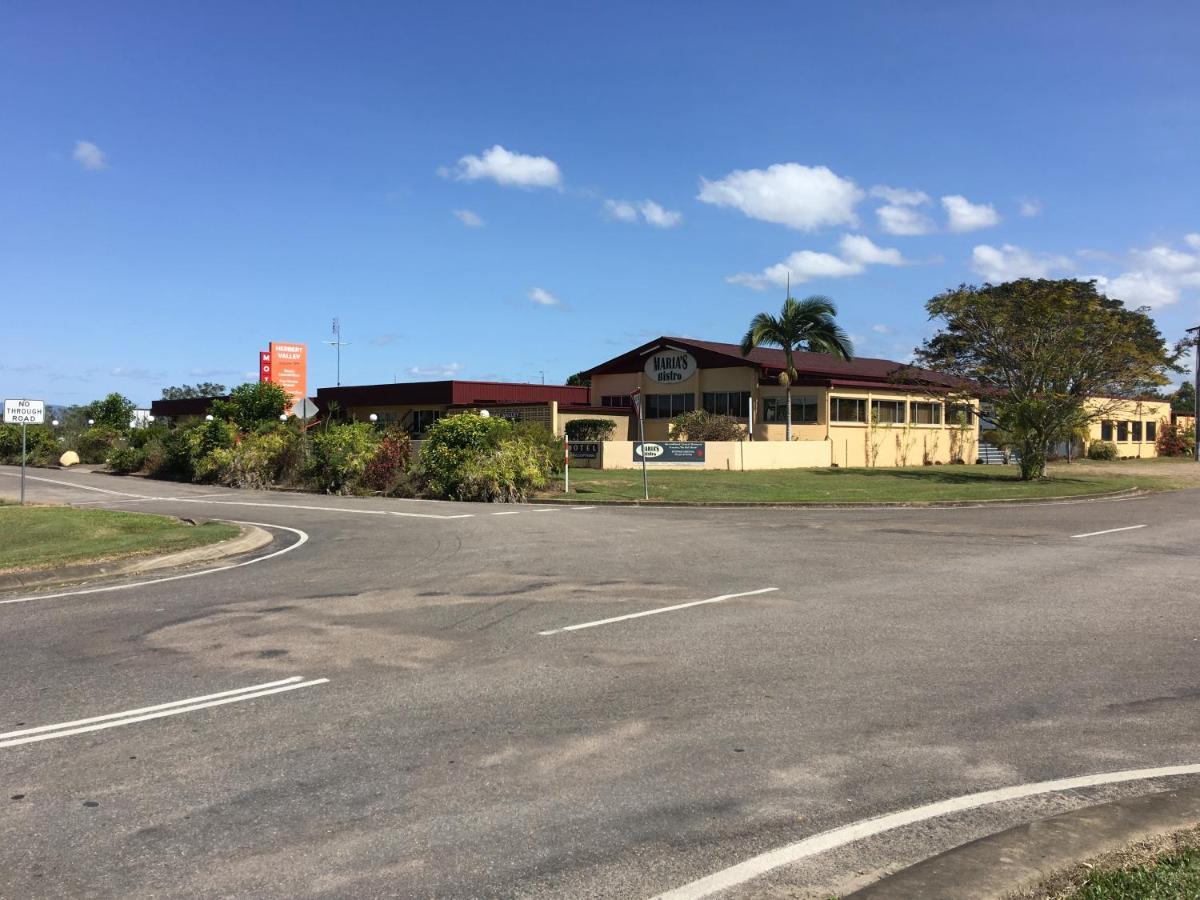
580 508
1109 531
82 487
545 509
124 587
515 512
856 831
113 720
655 612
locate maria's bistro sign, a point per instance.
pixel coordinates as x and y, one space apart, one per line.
670 366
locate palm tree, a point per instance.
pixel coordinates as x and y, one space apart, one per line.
806 324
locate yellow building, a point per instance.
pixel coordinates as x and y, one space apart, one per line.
1132 425
871 412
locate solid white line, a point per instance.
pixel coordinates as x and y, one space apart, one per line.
146 709
655 612
161 713
124 587
82 487
515 512
580 508
1109 531
838 837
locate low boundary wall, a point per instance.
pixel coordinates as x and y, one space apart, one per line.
735 456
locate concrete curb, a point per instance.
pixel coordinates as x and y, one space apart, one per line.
251 538
865 504
994 867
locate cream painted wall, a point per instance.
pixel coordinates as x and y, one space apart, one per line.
1128 411
729 456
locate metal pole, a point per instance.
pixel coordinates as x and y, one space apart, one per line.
566 465
642 437
23 463
1195 399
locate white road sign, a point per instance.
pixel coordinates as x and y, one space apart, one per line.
24 412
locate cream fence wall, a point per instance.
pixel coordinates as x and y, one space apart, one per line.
733 456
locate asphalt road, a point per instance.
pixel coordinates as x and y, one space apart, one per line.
466 745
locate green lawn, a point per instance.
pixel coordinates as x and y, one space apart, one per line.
42 537
913 485
1169 877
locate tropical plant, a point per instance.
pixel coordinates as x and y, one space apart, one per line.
387 471
809 324
700 425
1176 440
340 455
453 444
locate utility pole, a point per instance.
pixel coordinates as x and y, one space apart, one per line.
1195 332
338 343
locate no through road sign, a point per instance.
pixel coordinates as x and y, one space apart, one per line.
24 412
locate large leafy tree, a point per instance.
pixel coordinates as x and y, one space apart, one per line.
1040 350
114 411
253 404
189 391
1183 401
809 324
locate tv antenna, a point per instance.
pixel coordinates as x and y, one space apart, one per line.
339 344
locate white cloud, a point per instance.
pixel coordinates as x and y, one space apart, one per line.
469 218
857 252
900 196
1031 208
507 168
857 248
651 212
1192 240
436 370
89 156
801 197
903 220
543 297
1139 289
963 215
1164 259
657 216
1008 263
881 329
620 210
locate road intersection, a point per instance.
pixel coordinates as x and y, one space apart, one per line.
548 701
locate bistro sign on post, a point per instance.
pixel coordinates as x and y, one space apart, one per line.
670 366
669 451
24 413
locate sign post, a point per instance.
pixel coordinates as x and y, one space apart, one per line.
24 413
636 397
566 464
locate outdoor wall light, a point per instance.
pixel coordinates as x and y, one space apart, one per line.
283 417
374 418
485 413
208 418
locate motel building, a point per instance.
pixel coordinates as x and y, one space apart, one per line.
858 413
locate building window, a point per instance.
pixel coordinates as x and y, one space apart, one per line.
423 419
667 406
888 412
926 413
1106 431
804 410
845 409
1152 431
616 400
728 403
1122 432
959 414
1137 432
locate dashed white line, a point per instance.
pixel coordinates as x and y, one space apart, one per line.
1108 531
655 612
581 508
146 713
511 512
124 587
856 831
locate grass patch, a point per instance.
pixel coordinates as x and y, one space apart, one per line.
921 484
43 537
1169 877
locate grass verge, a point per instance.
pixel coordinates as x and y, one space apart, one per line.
43 537
1165 868
924 484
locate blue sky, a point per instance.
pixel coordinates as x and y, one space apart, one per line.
497 190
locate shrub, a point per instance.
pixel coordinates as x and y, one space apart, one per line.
257 460
590 430
507 473
169 455
453 444
705 426
41 445
340 454
204 442
1102 450
94 445
125 460
387 471
251 405
543 437
1175 440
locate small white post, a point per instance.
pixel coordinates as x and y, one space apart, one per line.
566 465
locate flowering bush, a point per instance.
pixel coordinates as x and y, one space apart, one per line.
387 471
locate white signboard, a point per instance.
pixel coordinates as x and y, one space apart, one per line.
24 412
670 366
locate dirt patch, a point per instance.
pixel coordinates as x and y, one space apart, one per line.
1064 884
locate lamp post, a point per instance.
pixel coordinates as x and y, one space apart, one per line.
374 418
208 418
